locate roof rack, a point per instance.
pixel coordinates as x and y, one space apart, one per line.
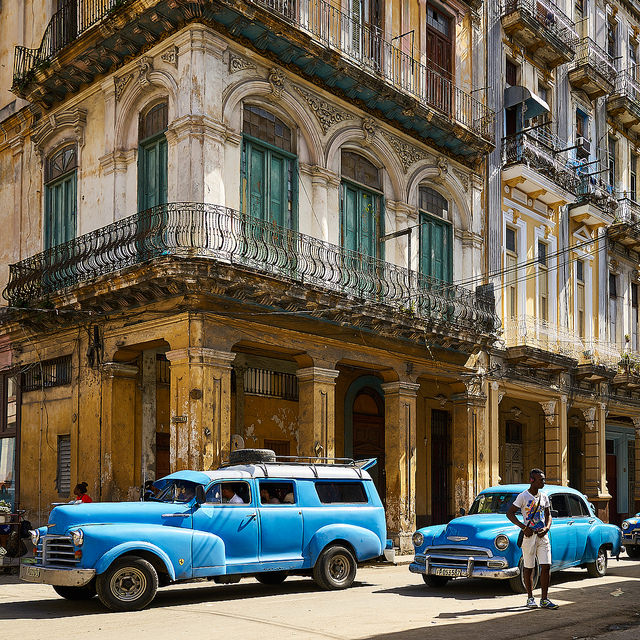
309 461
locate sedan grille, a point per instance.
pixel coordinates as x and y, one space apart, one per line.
460 557
56 551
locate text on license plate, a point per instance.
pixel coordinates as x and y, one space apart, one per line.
32 572
451 573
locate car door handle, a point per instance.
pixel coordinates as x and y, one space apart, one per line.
570 522
176 515
592 520
251 516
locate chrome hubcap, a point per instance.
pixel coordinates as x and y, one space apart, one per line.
601 562
339 568
128 584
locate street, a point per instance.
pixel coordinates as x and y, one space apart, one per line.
386 603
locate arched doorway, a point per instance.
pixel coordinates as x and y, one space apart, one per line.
368 433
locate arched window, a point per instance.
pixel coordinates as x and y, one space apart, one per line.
61 196
268 168
436 236
360 204
152 157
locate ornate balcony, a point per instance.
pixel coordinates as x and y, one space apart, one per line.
207 250
626 227
313 38
535 160
624 103
542 29
593 70
596 202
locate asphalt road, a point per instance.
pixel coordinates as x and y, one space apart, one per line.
385 603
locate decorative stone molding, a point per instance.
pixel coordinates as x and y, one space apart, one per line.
590 417
320 174
145 67
120 84
636 425
201 355
170 56
407 153
368 129
118 161
74 120
549 409
326 114
462 176
196 125
238 63
118 370
277 82
443 170
317 374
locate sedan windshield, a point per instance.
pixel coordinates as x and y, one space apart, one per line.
177 491
492 503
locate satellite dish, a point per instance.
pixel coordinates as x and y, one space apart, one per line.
237 442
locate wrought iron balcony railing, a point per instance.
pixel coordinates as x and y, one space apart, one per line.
595 191
628 211
628 85
196 230
548 16
541 151
588 53
365 46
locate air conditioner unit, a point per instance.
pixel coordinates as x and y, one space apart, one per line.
583 147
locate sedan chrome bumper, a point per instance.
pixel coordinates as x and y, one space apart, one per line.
57 577
449 567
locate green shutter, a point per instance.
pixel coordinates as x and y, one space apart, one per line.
60 211
277 189
435 248
152 173
256 181
349 217
367 240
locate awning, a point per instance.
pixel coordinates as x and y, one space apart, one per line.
533 105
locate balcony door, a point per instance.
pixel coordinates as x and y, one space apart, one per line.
60 197
64 24
436 236
152 158
439 59
366 31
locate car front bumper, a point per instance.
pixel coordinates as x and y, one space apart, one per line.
57 577
449 567
631 538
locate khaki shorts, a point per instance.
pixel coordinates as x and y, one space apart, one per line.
536 547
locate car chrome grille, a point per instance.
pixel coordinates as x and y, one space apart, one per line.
56 551
459 557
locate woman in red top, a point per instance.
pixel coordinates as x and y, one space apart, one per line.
80 492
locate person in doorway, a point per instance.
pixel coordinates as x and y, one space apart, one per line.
536 522
80 493
229 496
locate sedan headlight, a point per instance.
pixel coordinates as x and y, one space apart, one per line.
35 536
77 537
418 539
625 525
501 542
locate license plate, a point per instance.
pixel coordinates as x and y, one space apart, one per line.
32 572
450 573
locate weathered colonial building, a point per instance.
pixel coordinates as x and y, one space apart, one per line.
562 249
246 223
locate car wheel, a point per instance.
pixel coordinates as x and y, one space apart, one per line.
517 582
435 581
129 584
272 577
85 592
598 568
335 568
633 550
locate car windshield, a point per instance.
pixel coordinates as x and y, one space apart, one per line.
176 491
492 503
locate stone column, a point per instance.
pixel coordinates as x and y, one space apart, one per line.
495 397
470 445
148 447
238 427
400 460
555 421
317 412
596 458
117 434
200 407
636 490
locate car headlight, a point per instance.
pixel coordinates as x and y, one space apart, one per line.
35 536
501 542
418 539
625 525
77 537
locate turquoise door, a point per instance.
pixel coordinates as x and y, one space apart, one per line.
152 173
60 207
562 533
435 247
360 219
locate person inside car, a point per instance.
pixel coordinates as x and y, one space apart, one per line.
229 496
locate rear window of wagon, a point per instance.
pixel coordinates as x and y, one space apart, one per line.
341 492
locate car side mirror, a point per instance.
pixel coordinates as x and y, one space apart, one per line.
554 513
201 496
462 511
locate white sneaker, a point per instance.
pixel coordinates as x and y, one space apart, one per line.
531 603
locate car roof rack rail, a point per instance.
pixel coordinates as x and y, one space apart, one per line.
310 461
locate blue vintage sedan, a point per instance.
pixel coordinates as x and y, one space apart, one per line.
483 543
631 536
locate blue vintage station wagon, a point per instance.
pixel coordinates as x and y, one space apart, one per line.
262 519
631 535
483 543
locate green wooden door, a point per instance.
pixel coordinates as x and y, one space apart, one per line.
60 216
360 219
152 173
435 247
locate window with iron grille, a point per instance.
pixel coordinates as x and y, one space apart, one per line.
50 373
63 476
275 384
